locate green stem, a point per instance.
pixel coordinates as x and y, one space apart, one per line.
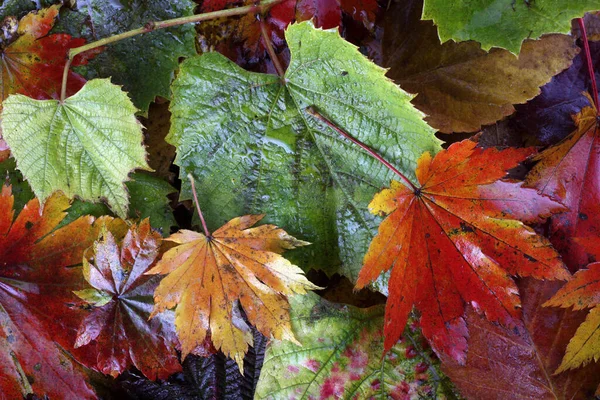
153 26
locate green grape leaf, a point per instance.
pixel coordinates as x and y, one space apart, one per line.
145 64
341 358
85 146
257 151
149 200
503 23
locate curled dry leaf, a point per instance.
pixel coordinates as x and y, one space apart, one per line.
457 239
122 299
209 278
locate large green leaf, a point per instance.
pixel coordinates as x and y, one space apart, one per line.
252 148
503 23
341 358
85 146
143 64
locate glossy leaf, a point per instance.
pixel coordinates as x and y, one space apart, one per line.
458 85
258 151
36 280
340 358
85 146
568 172
519 363
149 200
143 65
121 297
209 278
456 239
503 23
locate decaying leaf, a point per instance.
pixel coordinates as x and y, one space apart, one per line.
455 239
36 282
210 278
519 363
568 172
121 297
340 358
458 85
33 61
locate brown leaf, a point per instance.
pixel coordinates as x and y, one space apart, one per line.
460 86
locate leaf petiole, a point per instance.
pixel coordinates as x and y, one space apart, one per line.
153 26
312 111
588 57
206 231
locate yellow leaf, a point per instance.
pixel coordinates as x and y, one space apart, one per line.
209 278
585 345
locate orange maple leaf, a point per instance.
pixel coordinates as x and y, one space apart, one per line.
210 276
456 239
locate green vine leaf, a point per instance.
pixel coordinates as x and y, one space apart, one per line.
257 151
503 23
85 146
341 357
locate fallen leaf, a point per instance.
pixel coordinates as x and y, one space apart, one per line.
456 239
33 61
209 278
458 85
503 23
568 172
121 297
85 146
582 292
340 358
519 363
241 40
143 65
258 150
36 282
549 115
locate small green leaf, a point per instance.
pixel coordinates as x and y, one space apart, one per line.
97 298
149 200
256 149
503 23
85 146
341 357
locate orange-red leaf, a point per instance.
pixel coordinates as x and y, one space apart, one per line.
456 239
568 172
122 296
36 280
33 63
211 277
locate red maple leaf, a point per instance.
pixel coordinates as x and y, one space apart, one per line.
568 172
36 280
456 239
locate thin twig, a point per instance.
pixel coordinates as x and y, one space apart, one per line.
590 65
270 49
206 232
153 26
312 111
